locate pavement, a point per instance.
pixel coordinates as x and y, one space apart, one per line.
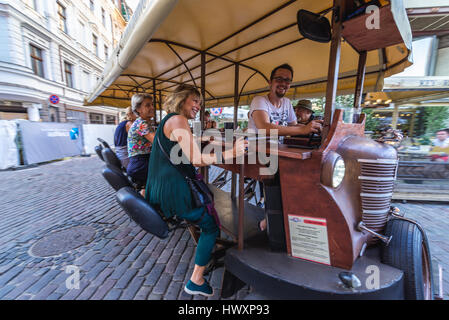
60 223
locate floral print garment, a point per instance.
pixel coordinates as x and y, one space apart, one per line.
137 143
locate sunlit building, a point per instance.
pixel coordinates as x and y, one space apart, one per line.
52 52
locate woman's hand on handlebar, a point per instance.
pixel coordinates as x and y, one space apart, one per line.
239 148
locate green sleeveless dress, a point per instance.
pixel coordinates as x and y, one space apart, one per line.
166 188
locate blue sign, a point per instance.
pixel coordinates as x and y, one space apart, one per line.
74 133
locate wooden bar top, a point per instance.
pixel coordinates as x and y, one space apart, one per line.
283 150
294 152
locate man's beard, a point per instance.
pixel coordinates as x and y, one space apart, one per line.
279 95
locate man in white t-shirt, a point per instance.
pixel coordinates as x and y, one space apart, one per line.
275 112
441 142
442 139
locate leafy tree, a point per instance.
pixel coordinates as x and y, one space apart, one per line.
435 118
346 102
371 123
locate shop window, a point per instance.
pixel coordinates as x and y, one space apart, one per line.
110 119
96 118
76 117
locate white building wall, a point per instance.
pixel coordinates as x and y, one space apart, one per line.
4 39
442 68
425 3
16 48
22 25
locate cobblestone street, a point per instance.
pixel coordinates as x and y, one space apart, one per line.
119 260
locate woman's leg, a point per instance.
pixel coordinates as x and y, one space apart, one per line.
206 242
198 275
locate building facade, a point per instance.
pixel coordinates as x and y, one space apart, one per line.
52 53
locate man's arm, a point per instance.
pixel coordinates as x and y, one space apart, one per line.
262 121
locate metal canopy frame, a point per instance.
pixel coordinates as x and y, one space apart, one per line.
140 87
158 85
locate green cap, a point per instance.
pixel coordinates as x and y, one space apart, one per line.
306 104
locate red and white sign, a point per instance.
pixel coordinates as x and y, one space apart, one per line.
216 111
308 239
54 99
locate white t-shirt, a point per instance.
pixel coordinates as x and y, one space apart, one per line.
281 116
441 144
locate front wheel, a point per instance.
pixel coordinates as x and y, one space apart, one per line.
409 252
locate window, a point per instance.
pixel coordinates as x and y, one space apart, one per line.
96 118
76 116
106 53
95 44
62 18
68 74
110 119
37 63
32 4
103 16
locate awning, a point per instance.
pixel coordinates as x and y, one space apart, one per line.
166 39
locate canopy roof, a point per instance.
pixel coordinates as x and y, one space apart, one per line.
166 39
380 99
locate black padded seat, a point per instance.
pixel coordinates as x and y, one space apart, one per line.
111 158
98 150
142 213
115 178
104 143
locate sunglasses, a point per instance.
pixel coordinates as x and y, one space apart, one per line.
280 79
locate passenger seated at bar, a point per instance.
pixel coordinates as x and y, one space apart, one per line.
441 142
167 188
121 137
208 122
275 112
140 138
304 112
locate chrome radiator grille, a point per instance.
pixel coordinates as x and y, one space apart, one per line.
377 181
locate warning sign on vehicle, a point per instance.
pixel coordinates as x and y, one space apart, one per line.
308 238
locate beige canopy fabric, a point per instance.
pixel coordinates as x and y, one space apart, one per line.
380 99
164 42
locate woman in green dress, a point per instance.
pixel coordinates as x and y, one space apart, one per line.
167 188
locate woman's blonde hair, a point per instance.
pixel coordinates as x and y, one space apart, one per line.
137 100
176 100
